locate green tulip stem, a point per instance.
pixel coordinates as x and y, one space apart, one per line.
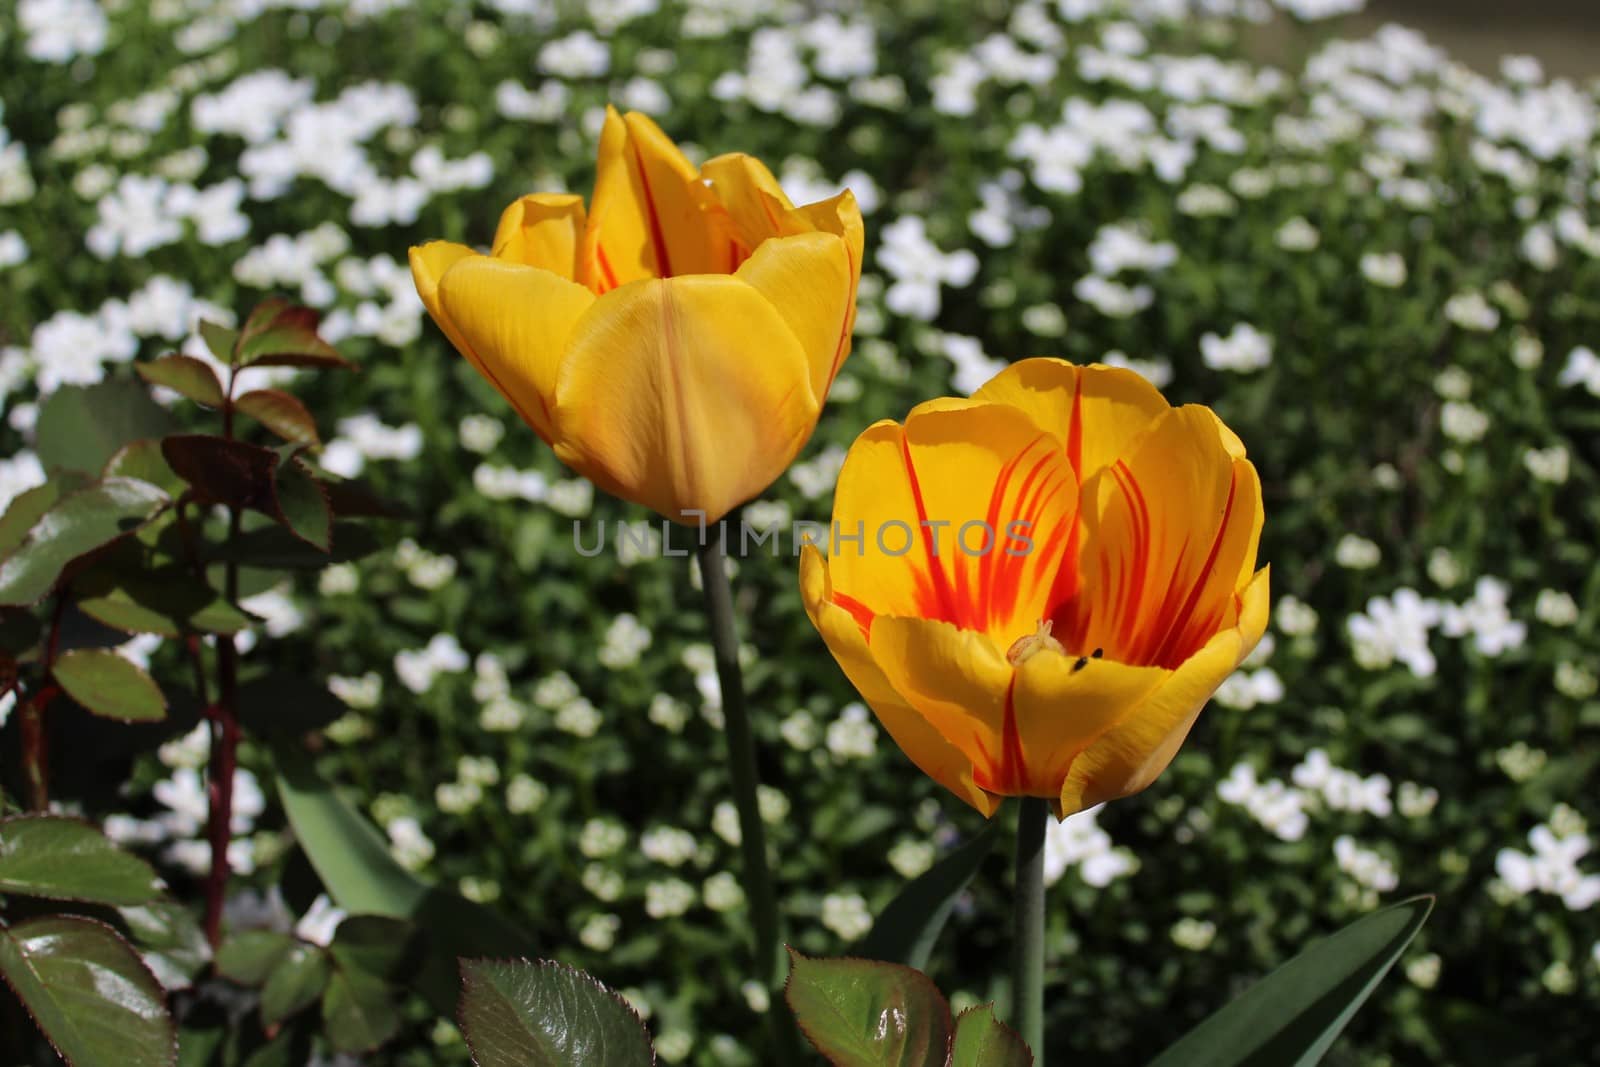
1027 986
763 900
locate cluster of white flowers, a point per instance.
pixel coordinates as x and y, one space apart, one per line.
143 213
1280 808
846 915
1396 628
1340 789
1079 843
417 668
625 641
1367 867
364 437
919 268
1552 864
853 735
180 828
1244 349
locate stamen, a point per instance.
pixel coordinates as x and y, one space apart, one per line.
1030 645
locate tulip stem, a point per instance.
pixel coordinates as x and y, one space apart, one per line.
1027 986
763 900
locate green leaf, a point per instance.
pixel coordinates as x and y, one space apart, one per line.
82 426
63 967
185 375
219 340
167 601
110 686
983 1041
223 471
299 978
1291 1017
863 1013
66 859
358 1012
250 956
521 1013
170 940
907 928
374 944
287 704
282 413
275 548
280 334
353 861
26 508
75 526
143 460
302 506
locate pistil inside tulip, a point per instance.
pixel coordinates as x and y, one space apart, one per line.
1027 646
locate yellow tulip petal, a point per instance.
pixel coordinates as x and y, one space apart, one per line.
1132 753
955 679
542 230
840 215
515 322
1171 530
922 744
966 516
755 202
430 263
684 393
1095 410
1061 704
807 278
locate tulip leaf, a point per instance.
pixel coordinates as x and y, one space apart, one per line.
1292 1016
282 413
907 928
353 861
62 858
865 1013
358 1011
186 376
522 1013
80 427
110 686
296 980
981 1040
62 966
74 526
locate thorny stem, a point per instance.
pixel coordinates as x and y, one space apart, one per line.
224 718
35 740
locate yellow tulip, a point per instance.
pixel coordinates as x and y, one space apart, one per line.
673 343
1118 588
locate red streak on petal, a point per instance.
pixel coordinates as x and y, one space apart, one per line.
1179 634
942 605
1010 776
1075 428
858 611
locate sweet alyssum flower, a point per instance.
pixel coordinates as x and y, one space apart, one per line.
1037 589
675 341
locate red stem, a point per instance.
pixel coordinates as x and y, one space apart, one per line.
35 739
224 717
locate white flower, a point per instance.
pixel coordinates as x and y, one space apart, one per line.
1295 617
1357 552
852 735
1367 867
1298 235
417 669
668 845
1462 422
1126 246
668 899
480 433
1470 311
626 638
1245 349
579 718
1582 368
919 268
846 915
1079 843
1396 629
1548 464
1555 607
1384 269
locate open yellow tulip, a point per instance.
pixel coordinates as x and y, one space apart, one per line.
673 343
1038 589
